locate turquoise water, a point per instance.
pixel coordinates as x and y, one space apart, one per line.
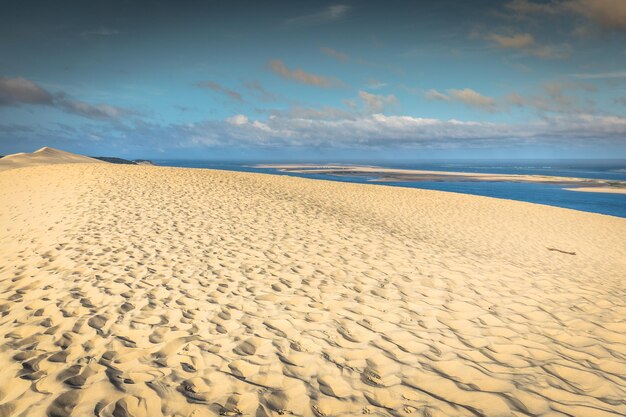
548 194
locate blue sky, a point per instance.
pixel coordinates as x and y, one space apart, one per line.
315 80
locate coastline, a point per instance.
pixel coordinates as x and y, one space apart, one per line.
412 175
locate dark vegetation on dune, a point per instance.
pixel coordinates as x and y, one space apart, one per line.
122 161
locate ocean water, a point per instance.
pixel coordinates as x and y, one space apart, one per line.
548 194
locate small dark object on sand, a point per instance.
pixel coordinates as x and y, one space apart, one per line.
562 251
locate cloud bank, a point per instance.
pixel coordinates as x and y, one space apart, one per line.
302 130
378 130
18 91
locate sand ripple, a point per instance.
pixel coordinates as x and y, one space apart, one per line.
145 291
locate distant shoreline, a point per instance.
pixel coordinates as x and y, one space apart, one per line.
410 175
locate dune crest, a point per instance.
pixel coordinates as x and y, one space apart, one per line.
188 292
44 156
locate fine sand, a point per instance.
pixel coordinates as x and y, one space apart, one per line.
43 156
152 291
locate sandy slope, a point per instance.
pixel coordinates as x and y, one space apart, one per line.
149 291
43 156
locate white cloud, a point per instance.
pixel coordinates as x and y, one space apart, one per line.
329 14
380 130
374 84
473 99
408 131
376 103
527 43
433 94
278 67
326 112
237 120
608 14
373 131
555 97
466 96
519 41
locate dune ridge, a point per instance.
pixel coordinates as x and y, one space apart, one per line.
44 156
153 291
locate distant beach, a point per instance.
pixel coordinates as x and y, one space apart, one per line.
381 174
550 182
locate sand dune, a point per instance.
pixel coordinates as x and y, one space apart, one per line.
152 291
43 156
613 190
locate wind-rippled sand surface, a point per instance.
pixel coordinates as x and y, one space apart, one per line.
146 291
